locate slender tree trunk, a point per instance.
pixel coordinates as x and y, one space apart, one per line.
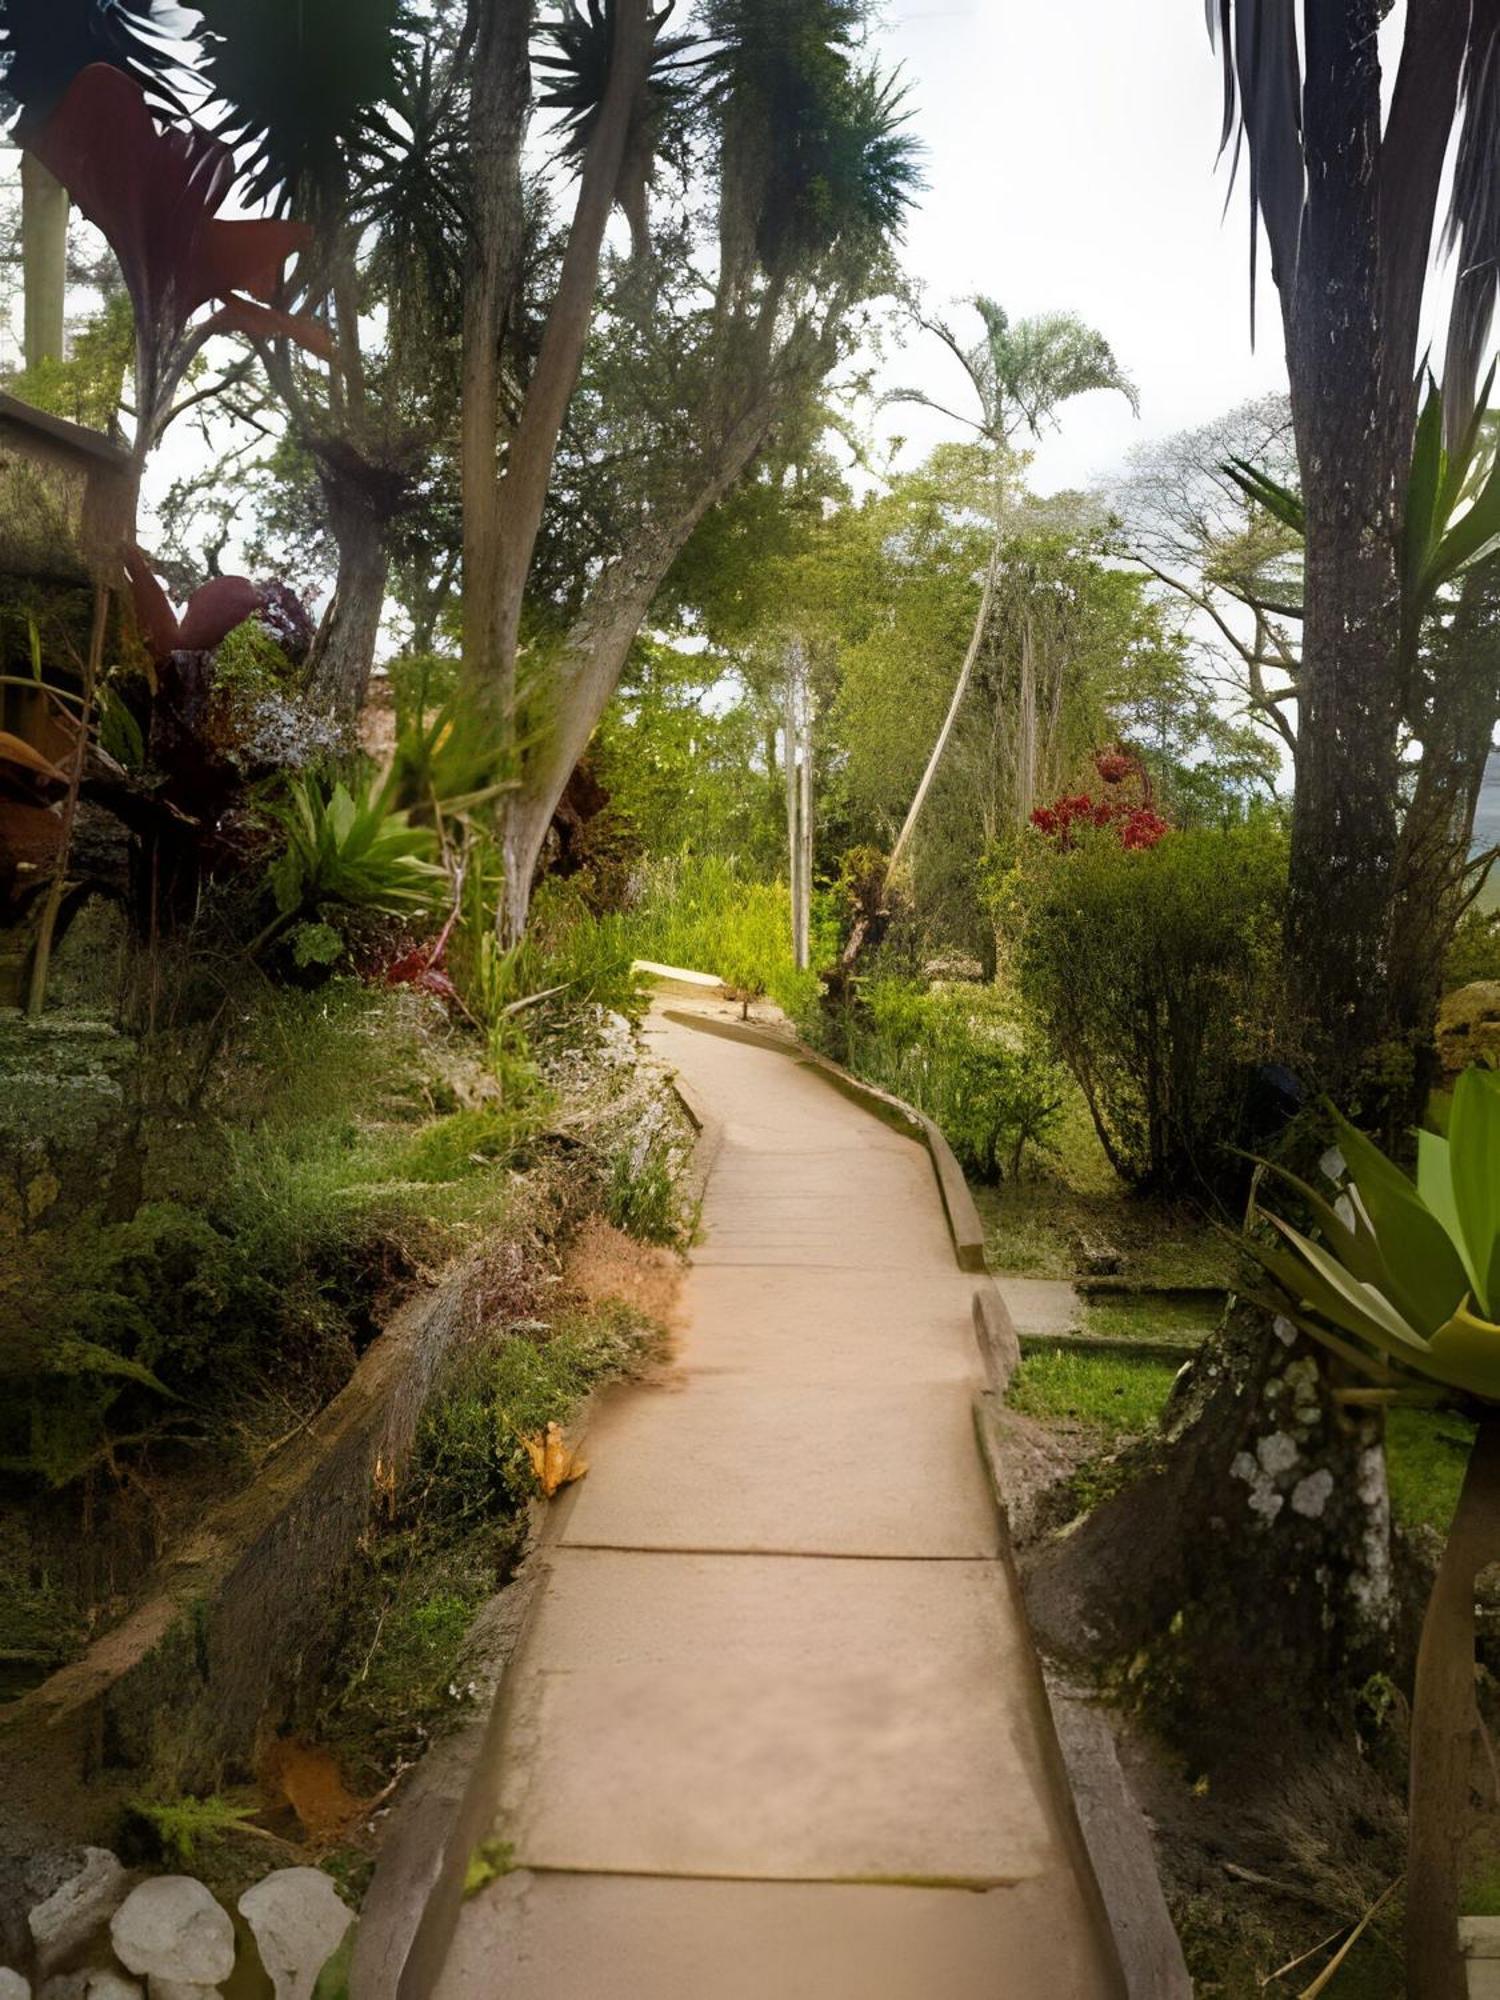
499 103
338 668
804 928
955 706
501 535
44 261
791 735
1438 828
594 656
1351 406
1444 1731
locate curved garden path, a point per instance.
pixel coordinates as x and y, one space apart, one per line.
776 1731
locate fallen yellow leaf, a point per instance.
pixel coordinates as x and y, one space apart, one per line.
553 1460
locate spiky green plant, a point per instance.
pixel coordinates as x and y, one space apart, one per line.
1407 1274
1404 1287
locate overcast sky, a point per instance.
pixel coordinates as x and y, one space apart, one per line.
1071 165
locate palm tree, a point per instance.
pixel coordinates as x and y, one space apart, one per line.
1021 372
344 115
1348 197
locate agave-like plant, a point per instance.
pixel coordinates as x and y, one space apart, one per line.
349 846
1402 1283
1407 1275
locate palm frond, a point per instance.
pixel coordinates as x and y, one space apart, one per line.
296 82
1472 232
1262 82
44 44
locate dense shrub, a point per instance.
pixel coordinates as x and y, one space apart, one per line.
1475 951
1154 973
959 1054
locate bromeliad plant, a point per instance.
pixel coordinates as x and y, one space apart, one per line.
1402 1284
347 847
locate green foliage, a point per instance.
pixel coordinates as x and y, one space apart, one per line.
87 387
707 913
683 770
182 1826
490 1860
1404 1273
641 1196
346 846
1475 951
1426 1454
312 1177
1154 973
460 1525
960 1055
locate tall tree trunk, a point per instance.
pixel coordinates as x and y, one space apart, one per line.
44 261
960 692
1249 1555
499 103
1445 1726
594 655
1438 828
338 667
1352 410
501 536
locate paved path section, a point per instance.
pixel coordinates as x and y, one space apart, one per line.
776 1731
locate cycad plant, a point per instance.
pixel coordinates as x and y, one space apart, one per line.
1401 1281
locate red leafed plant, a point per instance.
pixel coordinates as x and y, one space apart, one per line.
1136 823
156 196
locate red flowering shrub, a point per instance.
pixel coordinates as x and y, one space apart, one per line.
1137 826
1136 822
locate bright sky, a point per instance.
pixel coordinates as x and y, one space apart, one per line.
1071 149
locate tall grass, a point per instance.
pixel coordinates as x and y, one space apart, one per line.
708 913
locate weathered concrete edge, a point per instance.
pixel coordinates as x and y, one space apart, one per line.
964 1225
1116 1841
422 1837
995 1330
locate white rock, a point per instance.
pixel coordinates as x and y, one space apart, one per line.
110 1985
83 1905
298 1921
178 1989
170 1928
13 1986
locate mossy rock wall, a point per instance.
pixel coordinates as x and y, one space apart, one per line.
185 1693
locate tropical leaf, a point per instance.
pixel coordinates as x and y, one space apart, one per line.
1474 1156
1279 501
1426 1274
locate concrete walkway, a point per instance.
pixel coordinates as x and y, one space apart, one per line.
776 1731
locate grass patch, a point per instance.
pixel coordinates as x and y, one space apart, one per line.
1115 1396
1127 1316
1035 1225
1426 1452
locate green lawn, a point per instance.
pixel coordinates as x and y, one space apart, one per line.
1033 1225
1112 1394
